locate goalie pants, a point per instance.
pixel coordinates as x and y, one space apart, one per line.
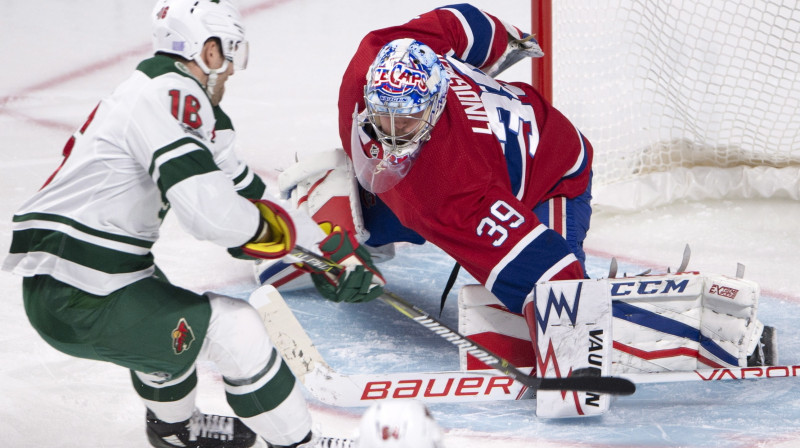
159 331
569 218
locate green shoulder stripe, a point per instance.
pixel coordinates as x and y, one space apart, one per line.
160 65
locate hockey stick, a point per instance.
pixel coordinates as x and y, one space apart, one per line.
609 385
350 390
721 374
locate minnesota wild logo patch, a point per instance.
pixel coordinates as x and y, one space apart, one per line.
182 337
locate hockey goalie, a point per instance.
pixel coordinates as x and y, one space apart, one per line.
436 149
613 326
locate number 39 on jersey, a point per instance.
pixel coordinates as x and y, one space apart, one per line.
502 217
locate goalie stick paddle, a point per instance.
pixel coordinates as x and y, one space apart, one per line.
598 384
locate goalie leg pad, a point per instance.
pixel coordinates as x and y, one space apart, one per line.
281 275
485 320
570 324
729 315
683 322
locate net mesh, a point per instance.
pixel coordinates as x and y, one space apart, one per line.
666 84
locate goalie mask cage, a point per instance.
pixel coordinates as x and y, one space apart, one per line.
694 99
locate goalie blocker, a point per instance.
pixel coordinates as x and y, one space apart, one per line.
643 324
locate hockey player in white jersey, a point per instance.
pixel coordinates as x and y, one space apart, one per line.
83 242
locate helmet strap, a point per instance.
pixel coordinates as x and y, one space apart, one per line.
211 73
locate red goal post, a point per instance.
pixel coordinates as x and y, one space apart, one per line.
681 99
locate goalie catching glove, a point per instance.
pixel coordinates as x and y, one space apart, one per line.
360 281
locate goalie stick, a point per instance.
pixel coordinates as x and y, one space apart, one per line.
609 385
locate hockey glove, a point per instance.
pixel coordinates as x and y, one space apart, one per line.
359 282
517 49
276 235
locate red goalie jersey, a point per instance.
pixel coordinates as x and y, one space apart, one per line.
503 184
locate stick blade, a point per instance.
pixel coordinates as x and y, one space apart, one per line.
286 332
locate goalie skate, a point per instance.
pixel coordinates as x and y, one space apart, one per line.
766 352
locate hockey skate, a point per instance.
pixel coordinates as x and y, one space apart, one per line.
766 352
314 440
200 431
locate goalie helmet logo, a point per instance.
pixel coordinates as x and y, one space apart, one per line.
399 80
374 151
182 337
405 81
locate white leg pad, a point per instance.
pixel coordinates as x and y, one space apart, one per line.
573 331
683 322
657 321
730 306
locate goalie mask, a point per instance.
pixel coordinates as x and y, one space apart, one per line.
182 27
398 424
405 95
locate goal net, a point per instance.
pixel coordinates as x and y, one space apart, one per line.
694 99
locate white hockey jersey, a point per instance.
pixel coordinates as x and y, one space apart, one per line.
156 143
